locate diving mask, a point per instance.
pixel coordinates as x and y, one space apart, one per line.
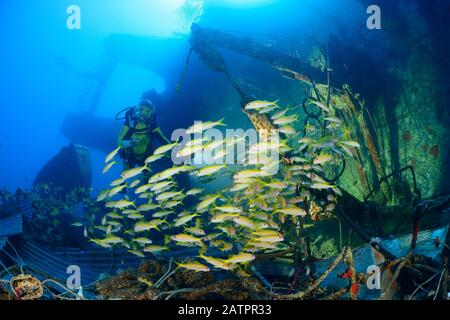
144 113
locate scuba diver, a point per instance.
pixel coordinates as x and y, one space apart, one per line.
138 131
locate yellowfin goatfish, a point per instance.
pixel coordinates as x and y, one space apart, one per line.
153 158
323 158
147 207
293 211
241 258
268 109
194 265
165 148
172 204
288 130
351 144
185 238
147 225
209 170
187 151
145 195
195 231
305 140
117 182
228 209
322 186
135 216
203 126
135 183
127 174
102 195
260 245
114 223
169 173
184 219
279 114
276 185
265 146
260 104
194 192
250 173
333 119
244 221
77 224
114 215
195 142
143 188
321 105
212 236
122 204
108 166
112 155
205 203
111 239
116 190
265 233
101 243
143 241
270 239
239 187
161 185
137 253
167 195
218 263
161 214
222 217
155 248
285 120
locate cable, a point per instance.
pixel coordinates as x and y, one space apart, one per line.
316 116
6 269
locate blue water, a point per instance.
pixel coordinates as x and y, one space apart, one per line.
36 91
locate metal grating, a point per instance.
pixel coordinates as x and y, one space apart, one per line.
40 258
92 263
26 208
11 225
2 242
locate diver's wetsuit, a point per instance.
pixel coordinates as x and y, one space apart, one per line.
142 132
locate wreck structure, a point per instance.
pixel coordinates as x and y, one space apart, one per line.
396 195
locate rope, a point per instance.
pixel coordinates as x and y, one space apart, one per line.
168 273
62 286
420 286
439 284
183 73
20 261
13 259
6 269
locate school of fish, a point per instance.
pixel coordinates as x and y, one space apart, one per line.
150 213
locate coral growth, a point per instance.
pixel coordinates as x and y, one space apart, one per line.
142 284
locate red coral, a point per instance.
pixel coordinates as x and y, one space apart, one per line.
348 274
354 289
